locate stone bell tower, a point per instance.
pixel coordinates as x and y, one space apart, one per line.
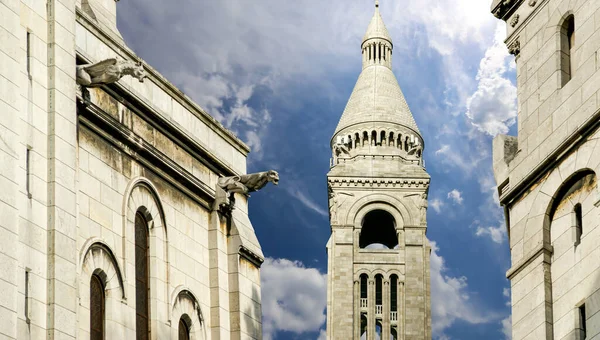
378 254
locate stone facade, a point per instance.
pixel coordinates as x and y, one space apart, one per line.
546 175
78 164
378 253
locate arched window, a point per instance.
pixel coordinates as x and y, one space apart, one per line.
378 294
391 141
363 326
363 286
97 299
394 294
141 278
378 231
578 223
383 139
356 140
567 46
184 329
373 137
365 140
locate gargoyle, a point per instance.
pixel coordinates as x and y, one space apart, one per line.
108 71
244 184
340 148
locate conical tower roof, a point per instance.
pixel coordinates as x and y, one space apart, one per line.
377 27
377 97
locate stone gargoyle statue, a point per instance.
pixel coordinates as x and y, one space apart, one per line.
108 71
244 184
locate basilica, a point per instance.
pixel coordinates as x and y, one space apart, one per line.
124 206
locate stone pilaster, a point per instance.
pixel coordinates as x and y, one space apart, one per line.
357 309
62 162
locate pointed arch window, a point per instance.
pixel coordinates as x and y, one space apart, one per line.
184 329
97 300
567 47
141 278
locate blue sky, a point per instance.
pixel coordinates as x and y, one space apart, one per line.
279 73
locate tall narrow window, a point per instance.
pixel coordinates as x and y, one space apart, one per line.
96 308
28 172
578 224
28 54
378 294
582 322
141 278
27 274
363 290
184 330
394 293
567 47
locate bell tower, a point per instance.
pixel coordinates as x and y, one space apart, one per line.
378 254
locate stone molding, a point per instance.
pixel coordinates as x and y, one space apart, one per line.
252 257
146 110
99 122
562 151
378 182
543 249
124 52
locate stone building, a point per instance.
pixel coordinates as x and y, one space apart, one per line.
378 254
114 220
547 174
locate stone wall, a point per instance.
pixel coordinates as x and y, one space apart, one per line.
554 274
78 165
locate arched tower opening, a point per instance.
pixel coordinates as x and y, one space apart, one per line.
378 231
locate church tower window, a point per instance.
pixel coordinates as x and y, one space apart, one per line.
378 230
141 278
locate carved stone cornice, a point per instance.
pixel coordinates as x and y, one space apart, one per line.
380 182
117 134
250 256
503 9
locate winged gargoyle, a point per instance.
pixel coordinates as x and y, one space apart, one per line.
108 71
243 184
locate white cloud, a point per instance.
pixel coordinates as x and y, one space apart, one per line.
496 234
493 107
322 335
294 297
450 298
507 327
437 205
455 196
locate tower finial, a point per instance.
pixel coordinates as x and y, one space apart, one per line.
376 3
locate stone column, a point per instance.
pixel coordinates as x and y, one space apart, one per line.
386 329
357 309
371 310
